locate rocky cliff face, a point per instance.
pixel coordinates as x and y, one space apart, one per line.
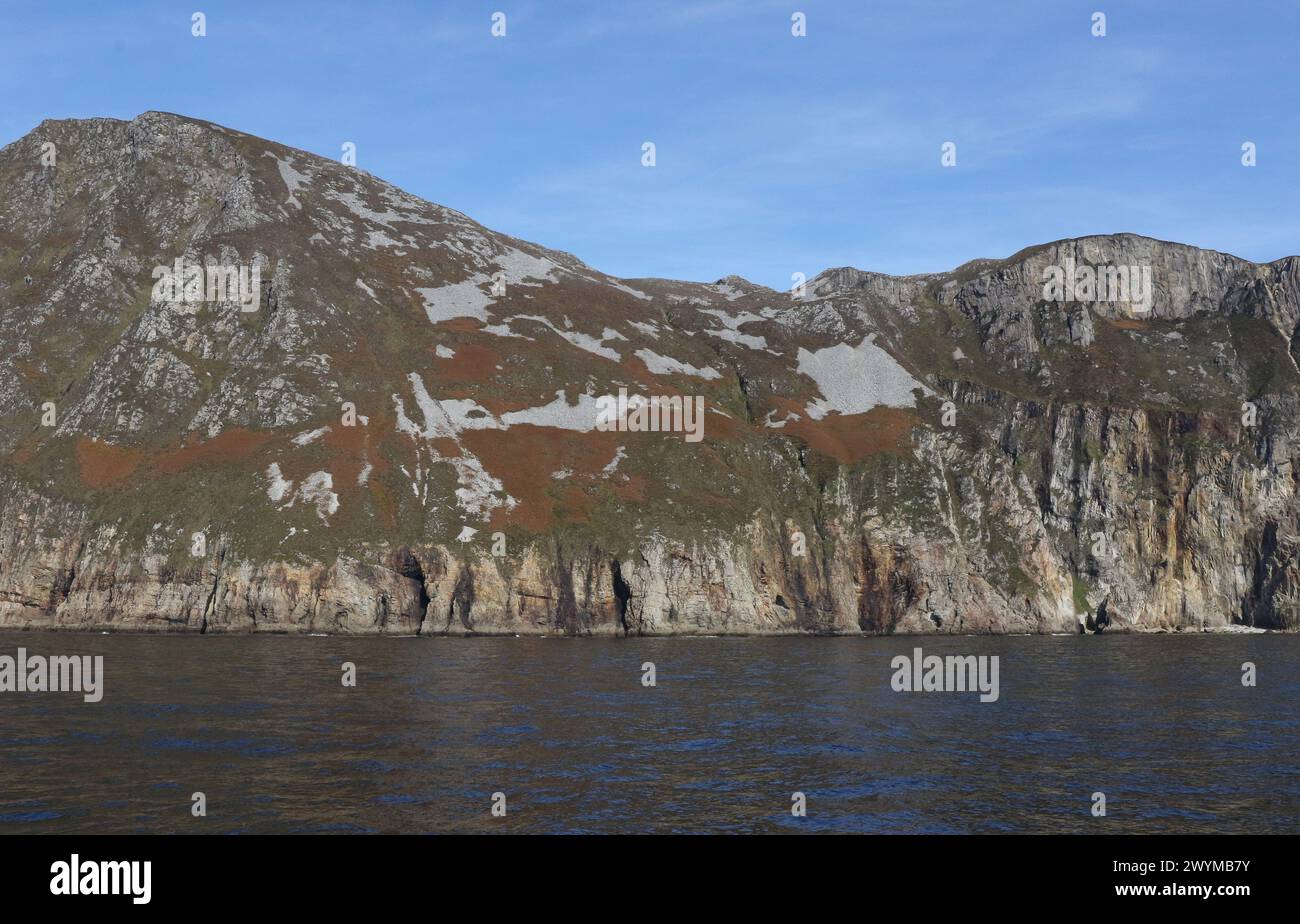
397 423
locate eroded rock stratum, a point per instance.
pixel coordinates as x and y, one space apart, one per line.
940 453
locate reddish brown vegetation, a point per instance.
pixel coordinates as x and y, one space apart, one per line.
103 464
233 445
849 439
472 363
525 459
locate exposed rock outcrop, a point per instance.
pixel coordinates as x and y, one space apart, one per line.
403 435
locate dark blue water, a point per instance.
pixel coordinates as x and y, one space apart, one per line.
563 727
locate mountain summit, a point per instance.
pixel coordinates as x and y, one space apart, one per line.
246 388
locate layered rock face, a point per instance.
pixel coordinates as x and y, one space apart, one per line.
360 412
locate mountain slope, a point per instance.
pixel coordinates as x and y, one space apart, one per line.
403 435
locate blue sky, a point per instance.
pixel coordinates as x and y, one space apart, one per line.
775 154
